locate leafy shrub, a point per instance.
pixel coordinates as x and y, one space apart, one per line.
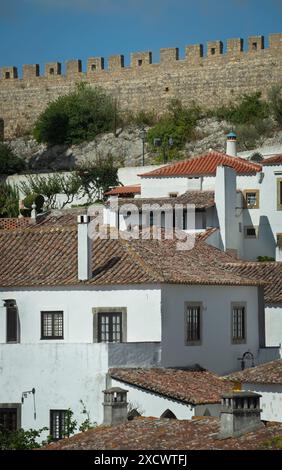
31 199
96 178
77 117
275 98
264 259
179 124
249 135
249 109
143 118
9 200
20 439
9 162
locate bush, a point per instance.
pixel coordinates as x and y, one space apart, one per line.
9 162
9 200
179 124
29 200
249 109
249 135
275 98
20 439
77 117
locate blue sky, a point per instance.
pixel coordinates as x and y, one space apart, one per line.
39 31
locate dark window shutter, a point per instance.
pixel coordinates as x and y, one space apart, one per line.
12 324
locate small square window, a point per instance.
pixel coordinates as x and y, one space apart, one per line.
93 67
251 199
251 232
110 327
140 62
7 75
52 71
213 51
173 194
238 323
52 325
254 46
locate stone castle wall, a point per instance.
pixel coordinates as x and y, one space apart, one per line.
209 80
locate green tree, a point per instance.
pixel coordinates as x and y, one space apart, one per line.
77 117
9 200
51 186
9 162
248 110
98 177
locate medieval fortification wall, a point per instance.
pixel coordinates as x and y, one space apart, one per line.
208 79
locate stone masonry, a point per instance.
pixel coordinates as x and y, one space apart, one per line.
208 80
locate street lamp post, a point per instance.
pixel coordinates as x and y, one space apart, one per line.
143 135
159 143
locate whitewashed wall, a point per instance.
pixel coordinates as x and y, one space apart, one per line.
142 302
151 404
273 324
271 401
161 187
216 352
62 375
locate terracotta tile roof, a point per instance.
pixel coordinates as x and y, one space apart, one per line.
207 233
166 434
188 386
201 199
14 223
47 255
268 373
124 190
205 165
275 160
271 273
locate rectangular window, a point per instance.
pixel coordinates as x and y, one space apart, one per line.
52 325
12 321
251 198
193 323
279 240
8 419
58 424
109 327
251 232
279 194
238 324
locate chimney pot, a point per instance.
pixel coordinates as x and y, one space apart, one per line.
84 248
231 146
115 406
240 414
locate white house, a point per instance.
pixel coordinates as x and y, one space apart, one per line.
72 309
265 379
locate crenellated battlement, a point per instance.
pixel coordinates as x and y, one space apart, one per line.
208 76
169 57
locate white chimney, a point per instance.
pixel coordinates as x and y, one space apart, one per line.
84 248
225 200
231 145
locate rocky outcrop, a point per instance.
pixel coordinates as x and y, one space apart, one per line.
126 147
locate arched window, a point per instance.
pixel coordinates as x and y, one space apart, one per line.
168 415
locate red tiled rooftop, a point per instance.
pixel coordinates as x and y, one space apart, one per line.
275 160
188 386
14 223
206 165
168 434
268 373
124 190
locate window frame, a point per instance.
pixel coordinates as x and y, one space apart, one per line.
279 194
196 342
53 312
110 316
251 237
61 428
252 206
13 406
242 305
110 310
